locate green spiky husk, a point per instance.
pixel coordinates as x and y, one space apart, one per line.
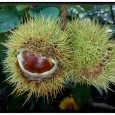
89 43
41 37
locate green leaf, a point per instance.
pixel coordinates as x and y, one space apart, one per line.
48 11
22 7
33 14
9 20
87 7
15 103
53 11
2 54
2 48
46 106
81 94
2 77
40 7
8 7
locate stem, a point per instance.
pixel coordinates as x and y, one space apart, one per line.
112 14
63 17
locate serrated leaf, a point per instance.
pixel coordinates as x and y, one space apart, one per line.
9 20
81 94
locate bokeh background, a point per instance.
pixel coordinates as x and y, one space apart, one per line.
79 98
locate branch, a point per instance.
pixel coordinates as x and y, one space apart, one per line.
102 105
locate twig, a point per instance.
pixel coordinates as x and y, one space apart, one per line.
102 105
63 17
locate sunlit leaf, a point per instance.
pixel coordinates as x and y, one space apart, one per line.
22 7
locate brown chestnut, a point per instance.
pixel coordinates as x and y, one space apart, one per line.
35 64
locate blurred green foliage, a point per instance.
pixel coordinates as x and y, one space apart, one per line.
12 15
81 94
52 11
